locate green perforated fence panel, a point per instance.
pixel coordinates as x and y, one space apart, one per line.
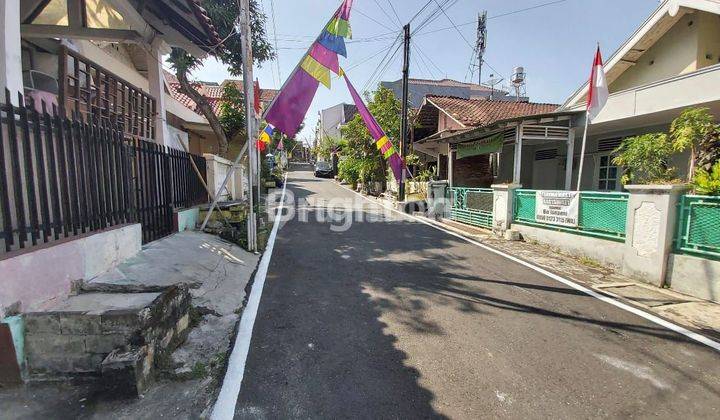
699 226
472 206
600 214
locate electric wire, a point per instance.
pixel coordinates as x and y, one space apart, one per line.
277 56
395 13
372 18
387 15
537 6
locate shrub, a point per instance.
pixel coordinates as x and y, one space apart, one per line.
349 170
695 129
707 183
646 159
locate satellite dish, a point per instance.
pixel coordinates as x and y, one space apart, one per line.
492 81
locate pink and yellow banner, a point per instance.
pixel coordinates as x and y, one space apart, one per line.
288 110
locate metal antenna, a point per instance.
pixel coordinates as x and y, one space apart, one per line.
481 41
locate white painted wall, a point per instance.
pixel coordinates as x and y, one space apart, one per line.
673 54
694 276
35 278
10 53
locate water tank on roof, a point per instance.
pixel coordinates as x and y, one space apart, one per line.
518 76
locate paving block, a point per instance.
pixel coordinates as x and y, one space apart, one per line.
41 322
104 343
75 336
41 344
79 323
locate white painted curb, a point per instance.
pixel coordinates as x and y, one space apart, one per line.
224 408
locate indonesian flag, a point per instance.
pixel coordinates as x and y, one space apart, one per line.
598 93
256 93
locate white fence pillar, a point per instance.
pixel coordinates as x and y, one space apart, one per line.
10 55
156 83
503 196
217 169
650 226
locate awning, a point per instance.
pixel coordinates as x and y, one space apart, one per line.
481 147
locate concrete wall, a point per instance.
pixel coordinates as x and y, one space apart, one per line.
694 276
35 277
609 253
673 54
187 219
708 39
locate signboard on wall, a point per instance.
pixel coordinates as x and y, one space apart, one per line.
557 207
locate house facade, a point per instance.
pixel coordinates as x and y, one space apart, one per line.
103 59
201 137
332 119
670 63
446 128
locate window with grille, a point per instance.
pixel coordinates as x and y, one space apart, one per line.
609 176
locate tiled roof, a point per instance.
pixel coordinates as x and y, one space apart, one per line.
213 93
479 112
267 95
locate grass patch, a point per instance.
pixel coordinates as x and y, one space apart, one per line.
199 371
589 262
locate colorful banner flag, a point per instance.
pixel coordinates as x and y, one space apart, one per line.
384 145
265 137
288 110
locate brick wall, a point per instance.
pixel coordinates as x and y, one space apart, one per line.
472 171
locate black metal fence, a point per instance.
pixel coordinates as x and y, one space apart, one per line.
62 177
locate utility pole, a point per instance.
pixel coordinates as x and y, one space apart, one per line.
249 92
404 121
481 41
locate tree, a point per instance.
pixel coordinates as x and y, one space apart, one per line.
695 129
224 16
232 112
385 107
327 145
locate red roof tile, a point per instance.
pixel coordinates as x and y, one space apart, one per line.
479 112
213 93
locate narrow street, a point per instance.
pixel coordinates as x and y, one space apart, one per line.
396 319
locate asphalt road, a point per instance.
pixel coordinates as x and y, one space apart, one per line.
396 319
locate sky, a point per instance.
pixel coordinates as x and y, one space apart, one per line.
555 43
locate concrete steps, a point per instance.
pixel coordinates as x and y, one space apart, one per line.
120 337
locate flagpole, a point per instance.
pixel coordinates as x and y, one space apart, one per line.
582 150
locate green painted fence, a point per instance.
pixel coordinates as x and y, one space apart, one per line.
472 206
698 226
600 214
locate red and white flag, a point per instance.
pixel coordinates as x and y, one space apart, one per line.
598 92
